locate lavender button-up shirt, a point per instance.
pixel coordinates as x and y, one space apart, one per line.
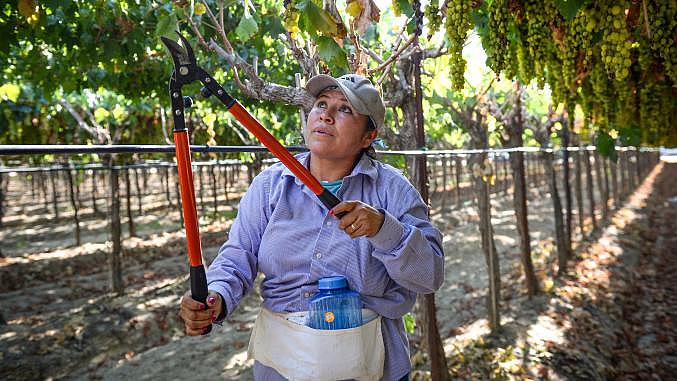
285 232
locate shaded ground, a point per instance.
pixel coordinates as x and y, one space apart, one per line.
610 317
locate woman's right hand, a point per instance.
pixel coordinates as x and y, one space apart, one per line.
197 316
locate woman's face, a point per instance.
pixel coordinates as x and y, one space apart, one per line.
335 130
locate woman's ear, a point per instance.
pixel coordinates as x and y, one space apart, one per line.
369 137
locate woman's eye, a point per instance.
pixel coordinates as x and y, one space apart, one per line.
346 109
321 104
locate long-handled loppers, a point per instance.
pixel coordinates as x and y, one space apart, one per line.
186 71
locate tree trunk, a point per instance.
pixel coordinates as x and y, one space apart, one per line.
488 246
591 189
115 259
128 199
74 204
519 200
560 236
438 360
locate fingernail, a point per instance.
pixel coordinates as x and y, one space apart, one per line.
213 316
204 306
331 211
211 300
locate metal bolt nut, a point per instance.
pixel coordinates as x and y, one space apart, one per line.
183 70
220 92
177 112
208 79
175 94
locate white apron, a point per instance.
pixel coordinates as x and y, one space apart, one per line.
301 353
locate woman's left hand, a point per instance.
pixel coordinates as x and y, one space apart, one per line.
360 219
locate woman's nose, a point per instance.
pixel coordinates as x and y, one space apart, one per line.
326 115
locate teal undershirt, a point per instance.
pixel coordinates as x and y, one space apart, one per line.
332 186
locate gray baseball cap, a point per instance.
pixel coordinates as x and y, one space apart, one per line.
359 91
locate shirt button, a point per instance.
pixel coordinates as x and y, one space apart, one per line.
318 255
328 223
306 294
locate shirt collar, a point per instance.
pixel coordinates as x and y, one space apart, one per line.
365 166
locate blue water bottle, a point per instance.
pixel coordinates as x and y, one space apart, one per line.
335 306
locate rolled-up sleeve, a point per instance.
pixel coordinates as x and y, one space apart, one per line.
234 269
409 246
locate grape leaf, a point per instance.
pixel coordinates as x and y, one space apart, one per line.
332 53
606 145
247 27
569 8
166 26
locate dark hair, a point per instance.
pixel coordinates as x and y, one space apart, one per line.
370 151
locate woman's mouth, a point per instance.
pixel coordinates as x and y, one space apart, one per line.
322 132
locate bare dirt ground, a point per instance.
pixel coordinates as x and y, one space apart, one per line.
610 317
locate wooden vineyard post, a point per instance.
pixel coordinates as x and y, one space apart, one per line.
564 136
165 181
139 195
3 196
128 199
55 201
591 189
614 182
578 188
74 204
212 174
624 185
115 259
457 172
178 195
95 208
603 194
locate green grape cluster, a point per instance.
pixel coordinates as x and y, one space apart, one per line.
576 51
434 16
537 35
617 40
497 42
457 23
663 26
397 8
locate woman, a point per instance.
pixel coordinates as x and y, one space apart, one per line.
384 244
